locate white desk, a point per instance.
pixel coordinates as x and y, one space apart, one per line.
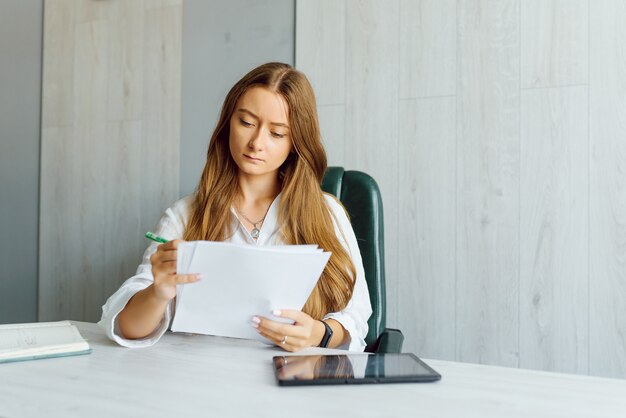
218 377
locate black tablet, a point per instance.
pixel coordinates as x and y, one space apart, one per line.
352 369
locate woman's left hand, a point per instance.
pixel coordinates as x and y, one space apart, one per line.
304 332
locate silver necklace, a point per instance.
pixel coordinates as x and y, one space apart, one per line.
255 231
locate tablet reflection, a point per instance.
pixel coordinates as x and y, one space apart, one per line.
314 367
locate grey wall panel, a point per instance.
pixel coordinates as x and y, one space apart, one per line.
109 146
427 68
221 42
426 299
321 40
607 166
20 110
487 241
371 116
554 42
554 230
537 257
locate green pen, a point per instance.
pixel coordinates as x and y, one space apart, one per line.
155 237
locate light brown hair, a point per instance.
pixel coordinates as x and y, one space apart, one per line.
303 214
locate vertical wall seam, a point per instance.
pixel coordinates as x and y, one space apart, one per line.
589 156
345 82
456 182
397 290
295 32
38 246
519 190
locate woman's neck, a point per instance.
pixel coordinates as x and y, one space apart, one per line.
257 189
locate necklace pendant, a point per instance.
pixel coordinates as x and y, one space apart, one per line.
255 233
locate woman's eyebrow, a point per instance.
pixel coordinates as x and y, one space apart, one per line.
256 117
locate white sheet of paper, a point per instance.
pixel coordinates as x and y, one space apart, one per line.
240 281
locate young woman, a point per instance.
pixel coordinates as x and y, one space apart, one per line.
260 186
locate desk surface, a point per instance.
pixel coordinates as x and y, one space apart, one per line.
185 375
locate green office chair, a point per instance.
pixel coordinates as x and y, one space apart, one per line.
360 195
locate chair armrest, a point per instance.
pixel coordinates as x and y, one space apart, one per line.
389 341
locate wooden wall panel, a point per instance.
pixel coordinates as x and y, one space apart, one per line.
162 50
371 121
125 62
332 127
59 249
607 328
427 48
90 113
554 42
487 316
427 218
58 75
554 240
321 38
110 145
521 228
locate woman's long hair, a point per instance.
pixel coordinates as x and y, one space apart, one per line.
303 214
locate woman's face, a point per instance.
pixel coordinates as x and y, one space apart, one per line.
260 139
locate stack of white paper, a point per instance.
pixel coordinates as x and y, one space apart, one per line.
240 281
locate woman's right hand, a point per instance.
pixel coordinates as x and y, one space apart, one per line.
164 271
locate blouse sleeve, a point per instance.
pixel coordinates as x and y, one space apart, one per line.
355 315
171 226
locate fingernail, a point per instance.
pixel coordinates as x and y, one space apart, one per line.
277 312
256 320
199 276
254 325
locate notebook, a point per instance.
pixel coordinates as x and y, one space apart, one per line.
39 340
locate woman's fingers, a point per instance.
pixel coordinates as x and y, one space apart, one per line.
297 316
162 272
274 327
276 332
168 255
274 336
186 278
301 334
163 255
169 266
163 262
170 245
291 344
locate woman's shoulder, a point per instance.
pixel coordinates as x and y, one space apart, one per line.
335 206
180 210
331 200
183 205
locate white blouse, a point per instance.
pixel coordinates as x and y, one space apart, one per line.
172 225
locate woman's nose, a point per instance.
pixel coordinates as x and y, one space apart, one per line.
256 142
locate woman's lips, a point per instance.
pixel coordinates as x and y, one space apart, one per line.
252 158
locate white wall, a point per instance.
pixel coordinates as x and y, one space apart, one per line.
496 132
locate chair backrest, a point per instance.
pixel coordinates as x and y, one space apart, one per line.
360 195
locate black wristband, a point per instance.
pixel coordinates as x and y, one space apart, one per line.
328 334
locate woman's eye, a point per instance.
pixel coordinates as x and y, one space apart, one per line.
244 123
277 135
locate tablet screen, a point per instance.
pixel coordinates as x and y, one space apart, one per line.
352 368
